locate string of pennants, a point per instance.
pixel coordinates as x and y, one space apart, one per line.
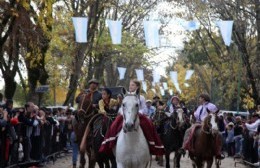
156 79
151 30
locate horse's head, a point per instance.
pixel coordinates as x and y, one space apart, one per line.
85 108
180 113
130 108
210 123
177 117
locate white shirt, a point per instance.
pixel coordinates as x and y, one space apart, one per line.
253 127
142 104
149 111
201 112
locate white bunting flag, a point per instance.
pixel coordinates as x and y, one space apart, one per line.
139 74
115 29
171 92
80 25
226 30
174 76
188 74
156 76
144 86
177 86
186 85
165 85
121 71
153 90
151 33
191 25
162 91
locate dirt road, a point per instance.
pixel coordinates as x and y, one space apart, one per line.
65 162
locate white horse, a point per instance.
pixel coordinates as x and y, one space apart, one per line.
132 149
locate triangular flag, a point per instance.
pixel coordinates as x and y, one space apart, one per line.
144 86
226 30
80 25
171 92
191 25
115 29
188 74
162 91
151 33
121 71
186 85
153 90
165 85
139 74
177 86
174 76
156 76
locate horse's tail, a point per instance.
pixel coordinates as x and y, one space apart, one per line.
83 143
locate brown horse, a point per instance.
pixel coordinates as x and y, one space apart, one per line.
83 116
205 143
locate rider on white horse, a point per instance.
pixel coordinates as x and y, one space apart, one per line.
155 145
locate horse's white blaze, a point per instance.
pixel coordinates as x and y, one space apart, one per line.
180 114
213 122
131 150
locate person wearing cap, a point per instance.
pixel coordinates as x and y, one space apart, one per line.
93 89
149 110
230 139
157 102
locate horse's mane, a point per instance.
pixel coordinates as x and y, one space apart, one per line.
85 102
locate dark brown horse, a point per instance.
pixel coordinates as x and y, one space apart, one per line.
174 128
204 143
83 116
94 136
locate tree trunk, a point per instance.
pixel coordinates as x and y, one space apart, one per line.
74 77
95 12
257 94
10 86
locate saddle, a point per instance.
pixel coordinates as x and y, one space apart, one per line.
190 142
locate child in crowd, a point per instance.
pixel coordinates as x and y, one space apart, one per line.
230 139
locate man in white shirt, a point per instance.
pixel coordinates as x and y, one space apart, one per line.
255 123
149 110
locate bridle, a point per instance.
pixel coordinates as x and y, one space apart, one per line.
124 118
84 112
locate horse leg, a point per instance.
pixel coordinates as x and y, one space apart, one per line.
91 159
82 160
113 161
106 161
209 163
160 160
177 160
167 159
